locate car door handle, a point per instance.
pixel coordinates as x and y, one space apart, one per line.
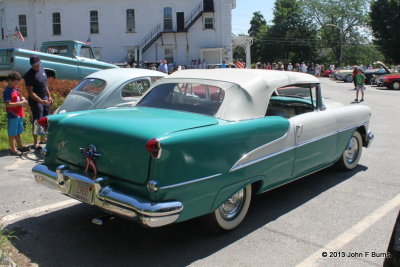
299 130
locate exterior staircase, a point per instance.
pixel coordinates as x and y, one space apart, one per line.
157 31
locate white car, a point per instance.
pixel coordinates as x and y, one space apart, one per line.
110 88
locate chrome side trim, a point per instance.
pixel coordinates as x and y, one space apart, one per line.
235 167
330 134
190 182
152 214
261 159
238 165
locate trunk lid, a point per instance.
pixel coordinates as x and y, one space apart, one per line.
119 135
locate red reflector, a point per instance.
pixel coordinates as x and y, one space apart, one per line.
43 122
153 146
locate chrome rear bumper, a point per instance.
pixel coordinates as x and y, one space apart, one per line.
99 193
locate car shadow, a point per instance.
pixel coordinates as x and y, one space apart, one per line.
67 237
33 155
386 89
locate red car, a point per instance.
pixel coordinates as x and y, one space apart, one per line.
391 80
326 73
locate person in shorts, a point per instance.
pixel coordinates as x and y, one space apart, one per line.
14 103
360 80
39 96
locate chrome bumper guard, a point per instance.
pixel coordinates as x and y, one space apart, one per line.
369 138
99 193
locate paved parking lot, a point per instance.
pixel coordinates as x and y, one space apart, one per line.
329 218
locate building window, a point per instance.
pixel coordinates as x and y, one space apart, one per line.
130 20
169 55
167 19
56 23
22 25
94 21
209 23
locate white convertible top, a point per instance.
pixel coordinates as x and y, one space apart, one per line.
250 96
246 78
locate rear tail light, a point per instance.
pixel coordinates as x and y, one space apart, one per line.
43 122
153 146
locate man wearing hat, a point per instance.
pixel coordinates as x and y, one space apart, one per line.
355 72
39 96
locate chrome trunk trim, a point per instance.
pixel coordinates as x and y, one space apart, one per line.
191 181
151 214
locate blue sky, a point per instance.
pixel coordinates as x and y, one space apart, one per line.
244 10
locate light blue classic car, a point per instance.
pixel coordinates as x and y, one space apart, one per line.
70 60
200 143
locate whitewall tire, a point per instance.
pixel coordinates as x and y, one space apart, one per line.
352 153
231 213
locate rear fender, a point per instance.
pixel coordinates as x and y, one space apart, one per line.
226 192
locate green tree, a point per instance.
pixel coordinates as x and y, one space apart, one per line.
385 18
341 22
363 54
292 36
256 24
258 28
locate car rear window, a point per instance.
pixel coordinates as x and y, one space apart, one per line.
57 50
135 88
90 86
190 97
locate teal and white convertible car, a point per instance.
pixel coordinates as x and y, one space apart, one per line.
200 143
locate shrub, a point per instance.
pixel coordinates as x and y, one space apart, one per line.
59 89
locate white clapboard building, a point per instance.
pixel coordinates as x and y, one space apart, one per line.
181 31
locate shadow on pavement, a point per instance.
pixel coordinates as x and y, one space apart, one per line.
68 238
386 89
33 155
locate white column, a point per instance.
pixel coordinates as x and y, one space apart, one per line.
248 56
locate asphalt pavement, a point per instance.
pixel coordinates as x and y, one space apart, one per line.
326 219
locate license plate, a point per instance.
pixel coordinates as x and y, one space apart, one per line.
83 191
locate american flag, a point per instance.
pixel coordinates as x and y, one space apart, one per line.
239 65
18 34
88 42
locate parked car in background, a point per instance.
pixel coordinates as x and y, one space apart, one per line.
343 74
371 75
391 81
70 60
110 88
326 73
200 143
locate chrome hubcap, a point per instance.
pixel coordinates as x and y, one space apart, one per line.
232 207
351 152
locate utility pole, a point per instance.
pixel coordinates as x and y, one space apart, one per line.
341 32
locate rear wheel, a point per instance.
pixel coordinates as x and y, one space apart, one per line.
396 85
349 78
231 213
352 154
